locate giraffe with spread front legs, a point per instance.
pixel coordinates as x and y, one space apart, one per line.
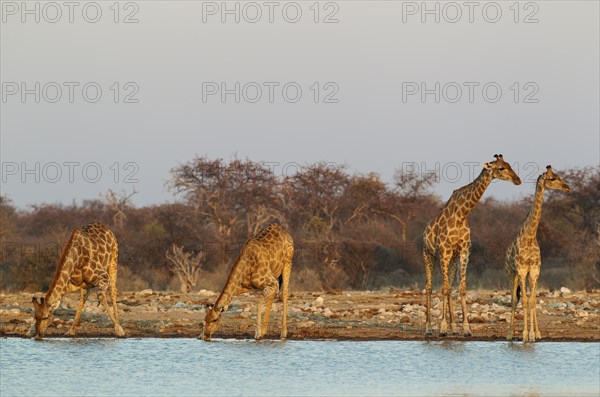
262 260
447 238
523 259
88 260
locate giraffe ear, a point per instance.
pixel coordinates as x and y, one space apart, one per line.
487 166
222 310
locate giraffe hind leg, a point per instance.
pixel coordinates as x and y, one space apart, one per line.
428 259
287 269
525 304
112 273
452 277
513 304
446 295
103 286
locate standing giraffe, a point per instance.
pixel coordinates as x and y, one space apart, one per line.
263 259
523 257
88 260
448 238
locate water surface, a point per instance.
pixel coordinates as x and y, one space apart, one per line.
189 367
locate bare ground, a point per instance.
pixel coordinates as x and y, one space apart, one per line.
348 315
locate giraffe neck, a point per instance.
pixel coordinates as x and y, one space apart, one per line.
468 197
233 283
531 223
58 287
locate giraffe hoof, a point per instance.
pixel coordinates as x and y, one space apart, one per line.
454 329
443 329
428 330
531 337
467 330
119 332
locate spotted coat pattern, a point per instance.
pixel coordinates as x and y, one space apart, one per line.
88 260
262 260
447 239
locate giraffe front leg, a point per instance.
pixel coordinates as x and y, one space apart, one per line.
534 331
270 293
257 334
84 295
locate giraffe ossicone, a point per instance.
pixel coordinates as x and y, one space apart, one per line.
447 239
262 260
88 260
524 261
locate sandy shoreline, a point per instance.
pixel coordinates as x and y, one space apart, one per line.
348 315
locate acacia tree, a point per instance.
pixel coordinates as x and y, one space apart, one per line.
363 197
313 197
576 216
186 265
259 216
312 200
411 190
226 196
118 204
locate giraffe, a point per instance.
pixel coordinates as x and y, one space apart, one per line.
523 259
89 259
262 260
447 238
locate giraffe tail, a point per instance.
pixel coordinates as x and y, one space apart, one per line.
518 293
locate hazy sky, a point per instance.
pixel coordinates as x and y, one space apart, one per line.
522 81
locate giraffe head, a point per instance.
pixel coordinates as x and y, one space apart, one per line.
212 320
500 169
43 316
553 181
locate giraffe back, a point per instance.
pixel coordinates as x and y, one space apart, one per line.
268 250
89 253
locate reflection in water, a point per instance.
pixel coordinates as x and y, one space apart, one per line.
521 347
450 345
190 367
